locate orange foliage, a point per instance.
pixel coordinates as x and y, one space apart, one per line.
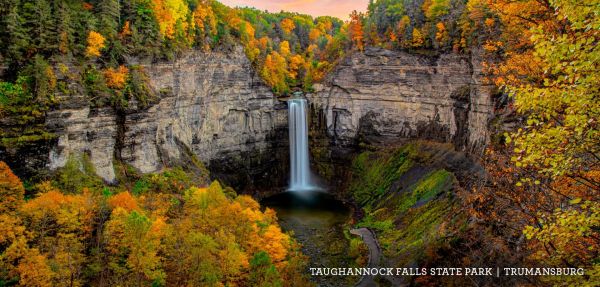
356 30
441 34
87 6
11 190
116 78
123 200
95 43
314 35
296 62
33 270
287 25
126 31
263 42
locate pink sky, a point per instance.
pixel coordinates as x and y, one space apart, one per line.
337 8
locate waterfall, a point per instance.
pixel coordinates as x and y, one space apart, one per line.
300 177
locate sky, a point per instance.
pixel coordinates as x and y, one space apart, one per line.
337 8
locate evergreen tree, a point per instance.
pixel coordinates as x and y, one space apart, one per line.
109 18
38 19
64 26
144 29
16 37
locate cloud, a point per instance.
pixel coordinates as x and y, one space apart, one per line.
337 8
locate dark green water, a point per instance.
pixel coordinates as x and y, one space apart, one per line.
316 220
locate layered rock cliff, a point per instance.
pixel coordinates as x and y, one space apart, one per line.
212 105
385 94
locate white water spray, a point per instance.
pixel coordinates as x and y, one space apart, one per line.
300 177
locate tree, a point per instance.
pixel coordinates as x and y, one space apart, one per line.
549 180
16 37
95 43
561 132
434 9
168 14
116 78
356 30
263 272
60 225
274 72
109 18
137 238
37 15
417 38
441 34
287 25
11 190
284 49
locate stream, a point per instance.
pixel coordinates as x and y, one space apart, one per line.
316 220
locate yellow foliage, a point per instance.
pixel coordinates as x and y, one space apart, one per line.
284 48
204 18
417 38
274 72
169 13
287 25
33 270
95 43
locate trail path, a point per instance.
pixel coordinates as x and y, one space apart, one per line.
374 258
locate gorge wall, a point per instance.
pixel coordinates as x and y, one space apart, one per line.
383 94
213 106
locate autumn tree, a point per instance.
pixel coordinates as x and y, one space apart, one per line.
356 30
274 72
287 25
11 190
417 38
95 43
116 78
61 224
549 181
137 238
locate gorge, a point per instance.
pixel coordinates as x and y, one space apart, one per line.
213 106
192 143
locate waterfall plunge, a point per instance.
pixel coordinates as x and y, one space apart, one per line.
300 177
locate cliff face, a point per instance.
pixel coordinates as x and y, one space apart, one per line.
383 94
212 105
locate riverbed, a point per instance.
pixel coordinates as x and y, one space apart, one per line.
317 221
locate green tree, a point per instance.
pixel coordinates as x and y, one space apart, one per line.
41 25
562 131
262 271
15 38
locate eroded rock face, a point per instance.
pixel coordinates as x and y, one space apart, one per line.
386 94
212 105
215 107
